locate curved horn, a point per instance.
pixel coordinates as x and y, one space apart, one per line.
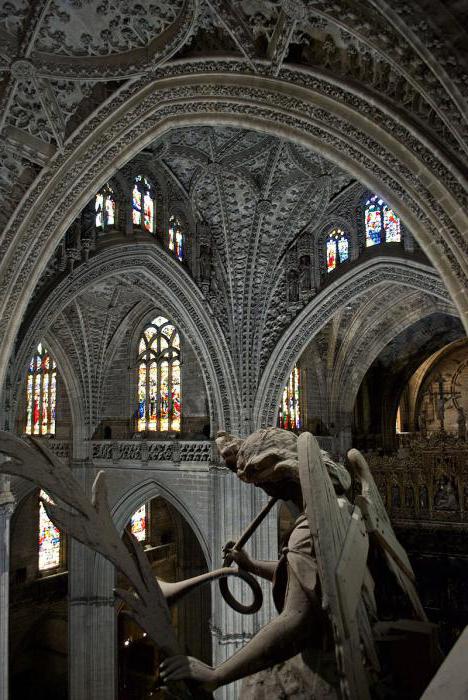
173 592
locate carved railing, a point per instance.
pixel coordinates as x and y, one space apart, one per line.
61 448
158 451
425 481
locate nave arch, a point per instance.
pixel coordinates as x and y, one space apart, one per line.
364 278
381 152
163 283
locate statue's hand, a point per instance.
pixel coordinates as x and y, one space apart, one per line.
180 668
238 556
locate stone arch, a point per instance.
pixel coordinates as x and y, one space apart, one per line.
426 367
146 490
384 152
350 387
103 575
158 271
361 278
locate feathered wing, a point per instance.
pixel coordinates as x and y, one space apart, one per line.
379 525
341 546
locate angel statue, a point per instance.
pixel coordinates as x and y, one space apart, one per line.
327 639
323 644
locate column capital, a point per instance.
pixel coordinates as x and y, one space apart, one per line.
7 499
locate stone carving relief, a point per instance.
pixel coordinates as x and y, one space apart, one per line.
340 39
88 28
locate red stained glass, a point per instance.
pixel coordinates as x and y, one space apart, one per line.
289 415
41 393
159 385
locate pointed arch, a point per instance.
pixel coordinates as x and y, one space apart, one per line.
361 278
383 152
156 273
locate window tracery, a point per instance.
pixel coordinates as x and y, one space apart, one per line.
176 236
105 208
337 248
159 385
381 222
49 539
289 416
143 206
41 393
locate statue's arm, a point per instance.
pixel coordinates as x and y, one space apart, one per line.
264 569
281 639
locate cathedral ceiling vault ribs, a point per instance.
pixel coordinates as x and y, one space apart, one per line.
256 194
58 215
372 88
88 312
348 291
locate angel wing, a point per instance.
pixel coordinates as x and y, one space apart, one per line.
379 526
341 546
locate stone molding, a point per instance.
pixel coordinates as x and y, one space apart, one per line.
360 280
153 268
342 141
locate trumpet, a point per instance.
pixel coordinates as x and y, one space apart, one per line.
175 591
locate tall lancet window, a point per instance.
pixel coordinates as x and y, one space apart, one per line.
143 204
176 236
139 523
105 208
337 248
49 539
381 222
41 393
159 390
289 415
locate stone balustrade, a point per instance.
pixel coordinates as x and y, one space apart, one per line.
154 451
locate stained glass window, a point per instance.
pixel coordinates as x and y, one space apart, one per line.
49 539
105 208
41 393
176 236
139 522
159 386
337 248
391 225
382 223
289 415
143 207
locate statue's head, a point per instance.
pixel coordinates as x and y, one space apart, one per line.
270 456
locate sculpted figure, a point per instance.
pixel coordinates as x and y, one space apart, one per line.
305 273
293 286
268 459
321 644
324 641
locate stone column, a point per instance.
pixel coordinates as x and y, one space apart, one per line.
235 506
92 667
6 510
92 626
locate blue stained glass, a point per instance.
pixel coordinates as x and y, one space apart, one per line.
381 222
343 248
373 223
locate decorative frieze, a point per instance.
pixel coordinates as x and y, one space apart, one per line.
152 451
